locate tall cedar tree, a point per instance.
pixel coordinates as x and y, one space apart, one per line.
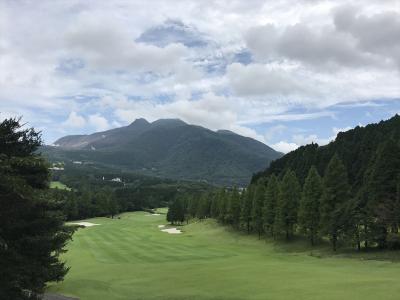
333 204
222 205
257 212
309 214
382 191
234 208
32 230
246 209
203 207
176 211
214 205
271 198
287 206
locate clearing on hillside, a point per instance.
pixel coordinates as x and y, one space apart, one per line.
59 185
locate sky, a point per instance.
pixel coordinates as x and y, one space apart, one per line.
284 72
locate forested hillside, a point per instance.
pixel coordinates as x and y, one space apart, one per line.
347 192
169 148
357 148
95 191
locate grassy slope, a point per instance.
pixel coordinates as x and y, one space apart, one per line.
131 259
58 185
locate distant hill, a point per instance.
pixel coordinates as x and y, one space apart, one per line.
169 148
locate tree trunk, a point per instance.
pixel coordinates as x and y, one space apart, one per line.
334 241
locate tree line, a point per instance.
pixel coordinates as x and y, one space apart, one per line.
322 207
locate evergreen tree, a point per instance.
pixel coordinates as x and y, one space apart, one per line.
247 206
287 206
257 209
214 205
203 207
309 214
192 206
222 205
333 204
271 198
382 191
234 208
32 230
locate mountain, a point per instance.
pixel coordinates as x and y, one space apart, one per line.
169 148
358 148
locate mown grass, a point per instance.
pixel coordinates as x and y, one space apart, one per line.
59 185
130 258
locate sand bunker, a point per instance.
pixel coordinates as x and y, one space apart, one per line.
172 230
161 226
86 224
153 215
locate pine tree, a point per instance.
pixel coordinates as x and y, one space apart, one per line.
309 214
287 206
333 204
257 209
32 230
271 198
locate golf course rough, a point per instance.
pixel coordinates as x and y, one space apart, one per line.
131 258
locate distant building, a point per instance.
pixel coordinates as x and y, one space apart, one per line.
117 179
57 168
77 162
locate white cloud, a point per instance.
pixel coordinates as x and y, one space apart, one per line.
284 146
74 120
274 130
258 79
98 122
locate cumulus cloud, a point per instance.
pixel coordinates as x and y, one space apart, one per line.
320 48
258 79
98 122
75 120
284 147
106 45
376 34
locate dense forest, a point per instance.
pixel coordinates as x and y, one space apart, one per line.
97 192
347 192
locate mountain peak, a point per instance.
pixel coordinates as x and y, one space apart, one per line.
173 122
140 121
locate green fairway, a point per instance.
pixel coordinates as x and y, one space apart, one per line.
130 258
59 185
